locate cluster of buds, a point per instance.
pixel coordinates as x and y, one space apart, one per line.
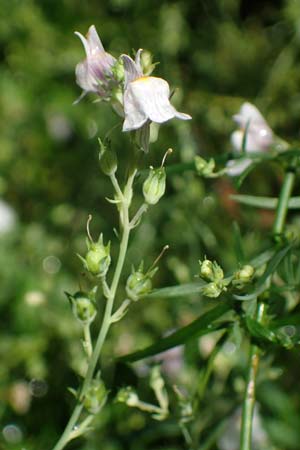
139 283
213 273
127 84
97 259
83 306
95 397
129 396
243 276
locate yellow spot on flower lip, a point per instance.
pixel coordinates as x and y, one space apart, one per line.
143 79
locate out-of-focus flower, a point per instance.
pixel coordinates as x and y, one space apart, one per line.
7 217
146 98
95 74
254 135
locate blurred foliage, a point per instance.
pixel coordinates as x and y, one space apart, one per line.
215 54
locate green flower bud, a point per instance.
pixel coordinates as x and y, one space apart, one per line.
155 185
206 269
118 71
156 380
97 259
128 396
205 168
138 283
211 271
147 62
212 290
95 397
107 158
83 307
218 272
243 276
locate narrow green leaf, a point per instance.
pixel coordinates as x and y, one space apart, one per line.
259 331
203 325
177 291
270 269
238 243
264 202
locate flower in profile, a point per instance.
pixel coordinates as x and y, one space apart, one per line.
254 135
146 98
95 74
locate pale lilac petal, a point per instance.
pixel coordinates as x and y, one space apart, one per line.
236 167
248 113
249 118
94 40
84 42
84 77
182 116
134 116
138 60
237 138
132 71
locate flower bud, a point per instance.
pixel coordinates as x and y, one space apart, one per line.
156 380
211 271
83 307
147 62
128 396
97 259
139 283
155 185
95 397
205 168
107 159
243 276
212 289
206 269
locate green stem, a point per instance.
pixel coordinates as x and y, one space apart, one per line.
87 343
124 213
254 353
282 206
249 400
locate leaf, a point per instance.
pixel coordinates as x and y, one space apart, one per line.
270 269
178 291
198 327
259 331
264 202
238 243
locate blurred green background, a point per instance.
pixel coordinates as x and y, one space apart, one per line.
217 54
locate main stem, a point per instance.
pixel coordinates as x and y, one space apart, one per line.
254 354
66 436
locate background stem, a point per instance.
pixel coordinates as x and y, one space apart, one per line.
254 353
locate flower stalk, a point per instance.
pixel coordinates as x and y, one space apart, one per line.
254 352
68 433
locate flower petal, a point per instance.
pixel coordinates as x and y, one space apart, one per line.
132 70
94 40
138 60
248 112
236 167
152 95
134 116
84 77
